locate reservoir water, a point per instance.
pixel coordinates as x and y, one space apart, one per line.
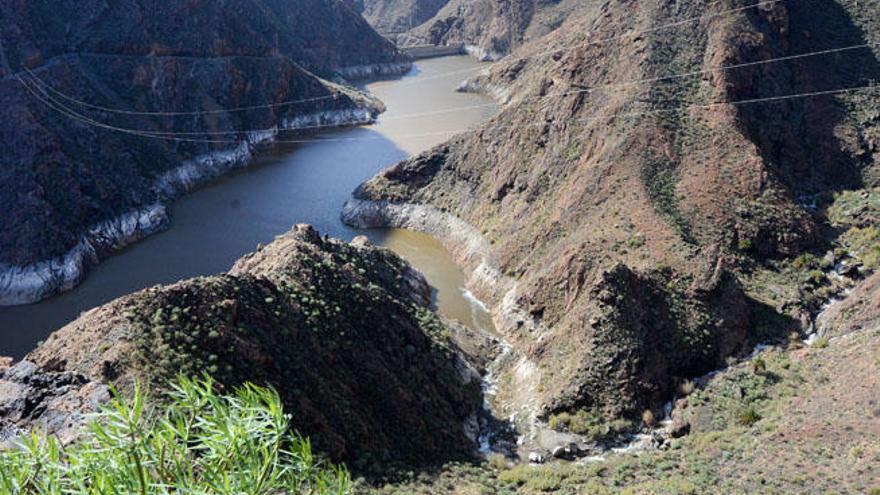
288 184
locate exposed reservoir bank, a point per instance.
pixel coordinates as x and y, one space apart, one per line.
303 183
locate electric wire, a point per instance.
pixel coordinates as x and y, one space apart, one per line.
614 85
437 76
74 115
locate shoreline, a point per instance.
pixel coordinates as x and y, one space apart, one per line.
367 71
473 254
469 250
20 285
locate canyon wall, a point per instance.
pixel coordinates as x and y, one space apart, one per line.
645 181
113 108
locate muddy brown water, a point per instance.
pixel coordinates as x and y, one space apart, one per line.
288 184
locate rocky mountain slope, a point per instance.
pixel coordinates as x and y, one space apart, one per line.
490 29
343 332
630 225
73 187
790 419
393 17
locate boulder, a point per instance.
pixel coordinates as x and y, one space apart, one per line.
568 452
679 428
537 458
55 403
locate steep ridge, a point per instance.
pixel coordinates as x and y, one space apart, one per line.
392 17
491 29
344 332
789 419
617 230
75 190
324 36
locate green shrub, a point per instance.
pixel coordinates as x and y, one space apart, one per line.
198 442
864 243
804 261
744 245
759 366
635 241
497 461
648 418
590 425
536 478
579 423
748 416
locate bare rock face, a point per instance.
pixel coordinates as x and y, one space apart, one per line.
342 331
54 403
490 29
395 17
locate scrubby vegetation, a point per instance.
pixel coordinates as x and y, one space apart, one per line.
751 413
197 442
342 332
864 243
591 425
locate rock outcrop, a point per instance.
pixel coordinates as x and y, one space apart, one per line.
625 203
114 108
395 17
490 29
344 332
52 403
640 335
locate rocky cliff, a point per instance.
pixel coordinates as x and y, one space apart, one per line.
642 176
394 17
489 29
344 332
113 108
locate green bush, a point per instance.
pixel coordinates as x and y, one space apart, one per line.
748 416
759 366
198 442
579 423
804 261
588 424
865 245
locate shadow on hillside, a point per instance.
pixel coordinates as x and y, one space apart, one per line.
800 137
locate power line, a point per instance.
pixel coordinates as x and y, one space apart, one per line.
534 98
45 88
178 114
76 116
60 108
625 114
422 79
611 38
